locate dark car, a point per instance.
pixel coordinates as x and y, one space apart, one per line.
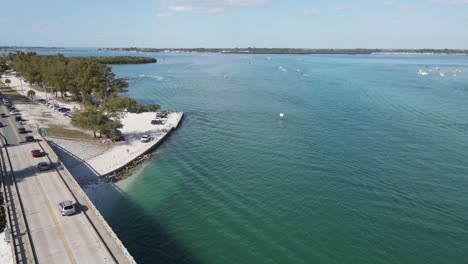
64 109
22 130
29 139
1 124
36 153
156 121
18 118
3 115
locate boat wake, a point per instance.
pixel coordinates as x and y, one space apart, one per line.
156 77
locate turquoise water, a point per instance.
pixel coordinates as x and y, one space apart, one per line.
370 164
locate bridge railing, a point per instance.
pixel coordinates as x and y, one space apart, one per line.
89 202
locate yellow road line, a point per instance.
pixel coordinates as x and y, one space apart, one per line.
44 195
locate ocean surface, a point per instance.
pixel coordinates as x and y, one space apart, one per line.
370 164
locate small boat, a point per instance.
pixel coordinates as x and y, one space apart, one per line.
442 74
281 115
422 72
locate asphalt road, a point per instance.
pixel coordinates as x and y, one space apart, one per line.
55 238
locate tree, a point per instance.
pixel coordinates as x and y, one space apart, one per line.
31 94
96 119
7 81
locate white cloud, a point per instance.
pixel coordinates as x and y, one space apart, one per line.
208 6
450 2
309 12
342 7
164 14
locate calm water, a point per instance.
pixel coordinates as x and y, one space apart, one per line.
369 166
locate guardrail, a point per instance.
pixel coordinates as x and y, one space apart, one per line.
90 203
20 201
7 201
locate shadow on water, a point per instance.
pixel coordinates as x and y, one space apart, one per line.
146 238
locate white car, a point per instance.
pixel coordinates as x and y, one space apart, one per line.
67 207
145 138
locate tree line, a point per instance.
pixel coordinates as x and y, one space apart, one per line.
84 79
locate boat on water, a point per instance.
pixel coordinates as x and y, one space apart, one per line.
422 72
441 74
281 115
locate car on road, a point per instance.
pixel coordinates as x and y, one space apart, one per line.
36 153
67 207
3 115
21 130
145 138
1 124
29 139
43 166
18 118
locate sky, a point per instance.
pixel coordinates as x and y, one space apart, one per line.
235 23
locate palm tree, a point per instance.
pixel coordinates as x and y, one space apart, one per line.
7 81
31 94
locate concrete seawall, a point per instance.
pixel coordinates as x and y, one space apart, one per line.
151 146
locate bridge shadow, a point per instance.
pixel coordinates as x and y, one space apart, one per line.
146 238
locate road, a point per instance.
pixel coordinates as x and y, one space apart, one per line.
53 238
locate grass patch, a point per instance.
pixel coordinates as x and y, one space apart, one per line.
61 132
14 95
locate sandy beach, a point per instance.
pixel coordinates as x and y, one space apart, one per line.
88 159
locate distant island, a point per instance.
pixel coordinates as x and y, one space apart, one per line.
122 59
293 51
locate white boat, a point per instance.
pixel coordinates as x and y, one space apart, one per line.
442 74
281 115
422 72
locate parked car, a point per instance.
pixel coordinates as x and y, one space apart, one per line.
18 118
22 130
145 138
64 109
36 153
157 121
43 166
1 124
114 135
3 115
29 139
67 207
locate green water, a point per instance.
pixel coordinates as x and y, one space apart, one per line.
370 164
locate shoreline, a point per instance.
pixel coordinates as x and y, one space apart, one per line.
94 159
